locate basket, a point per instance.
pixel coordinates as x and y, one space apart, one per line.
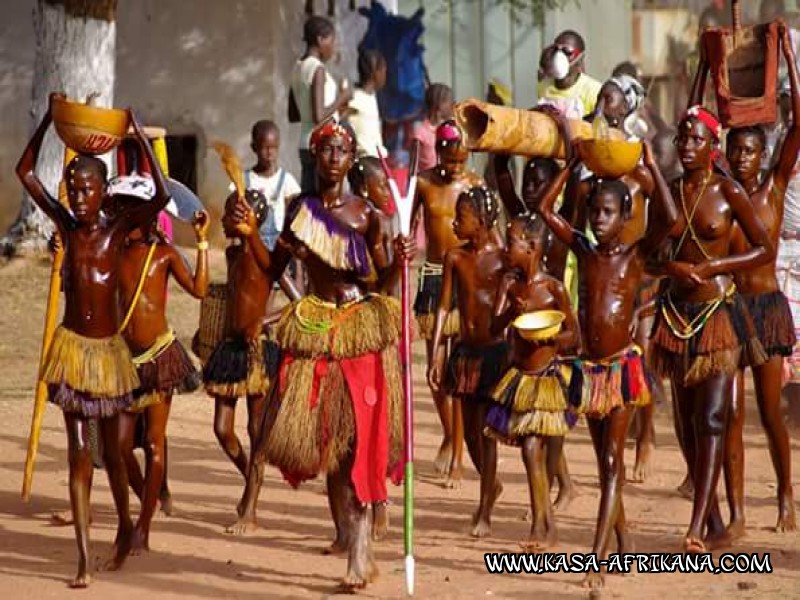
212 320
89 129
743 62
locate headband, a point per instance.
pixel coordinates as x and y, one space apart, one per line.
448 133
706 117
327 130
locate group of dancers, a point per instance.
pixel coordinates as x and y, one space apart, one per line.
323 380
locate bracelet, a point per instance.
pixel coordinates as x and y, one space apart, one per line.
202 245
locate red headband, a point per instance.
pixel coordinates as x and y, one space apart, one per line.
448 132
327 130
707 118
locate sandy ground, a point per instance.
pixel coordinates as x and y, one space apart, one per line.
191 557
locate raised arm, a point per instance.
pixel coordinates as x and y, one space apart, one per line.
505 185
26 172
791 145
142 213
661 210
197 284
546 208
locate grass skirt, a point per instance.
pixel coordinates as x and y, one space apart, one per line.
599 386
725 343
240 367
311 421
473 371
426 303
94 378
164 368
530 404
772 319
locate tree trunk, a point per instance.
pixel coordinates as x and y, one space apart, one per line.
75 54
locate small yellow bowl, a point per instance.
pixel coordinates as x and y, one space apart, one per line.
610 158
539 325
89 129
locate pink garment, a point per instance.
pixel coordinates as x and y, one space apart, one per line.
425 132
165 224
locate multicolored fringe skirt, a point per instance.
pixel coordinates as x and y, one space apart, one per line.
93 378
599 386
473 371
339 392
163 368
240 367
528 404
772 318
426 304
722 338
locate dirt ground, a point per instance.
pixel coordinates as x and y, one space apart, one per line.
191 557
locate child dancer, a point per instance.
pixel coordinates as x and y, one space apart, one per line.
89 370
244 362
609 379
530 407
161 361
479 357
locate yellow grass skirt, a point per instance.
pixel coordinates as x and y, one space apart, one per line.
88 376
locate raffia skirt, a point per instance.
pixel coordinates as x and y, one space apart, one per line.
93 378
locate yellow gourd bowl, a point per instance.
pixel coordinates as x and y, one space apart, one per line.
539 325
610 158
89 129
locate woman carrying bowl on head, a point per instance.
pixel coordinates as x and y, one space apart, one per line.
703 332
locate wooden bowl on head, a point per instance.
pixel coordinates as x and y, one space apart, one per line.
610 158
539 325
89 129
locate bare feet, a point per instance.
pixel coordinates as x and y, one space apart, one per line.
693 545
786 516
566 494
140 542
81 581
686 488
355 580
642 468
540 540
443 458
735 531
64 518
337 547
721 540
241 526
593 581
120 550
380 521
453 481
166 504
482 528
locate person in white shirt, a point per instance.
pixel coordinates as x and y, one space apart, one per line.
314 96
363 114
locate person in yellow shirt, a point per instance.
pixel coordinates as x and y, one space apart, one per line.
570 90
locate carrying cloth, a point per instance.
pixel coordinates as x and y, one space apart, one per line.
426 303
91 377
744 66
339 392
598 387
528 404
